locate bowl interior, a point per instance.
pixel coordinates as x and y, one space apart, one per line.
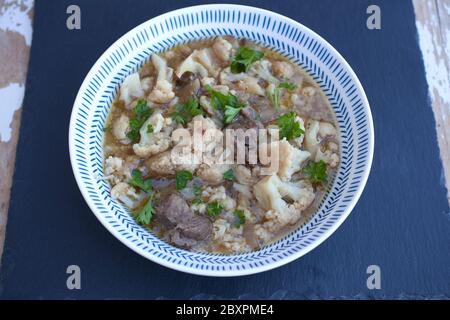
279 33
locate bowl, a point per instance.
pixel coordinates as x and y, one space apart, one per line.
288 37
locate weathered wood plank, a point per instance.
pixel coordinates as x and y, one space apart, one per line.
433 26
15 40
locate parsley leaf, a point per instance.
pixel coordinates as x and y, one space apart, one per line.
244 59
197 190
240 218
214 208
149 128
289 127
144 215
230 113
141 113
181 179
228 175
316 171
137 181
275 95
226 103
197 201
287 85
185 112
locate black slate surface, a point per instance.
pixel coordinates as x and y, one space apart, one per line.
401 222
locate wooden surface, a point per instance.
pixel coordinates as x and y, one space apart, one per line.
433 27
433 23
15 40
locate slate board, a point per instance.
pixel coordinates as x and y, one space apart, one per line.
401 222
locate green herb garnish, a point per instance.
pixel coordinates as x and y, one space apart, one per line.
316 171
275 96
197 191
226 103
149 128
231 113
197 201
182 178
228 175
240 218
214 208
244 58
137 181
144 215
289 127
141 113
185 112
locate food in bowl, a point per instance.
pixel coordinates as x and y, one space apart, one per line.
220 145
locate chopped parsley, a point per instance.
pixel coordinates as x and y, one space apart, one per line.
182 178
244 58
275 96
137 181
228 175
226 103
197 201
197 190
145 214
185 112
316 171
149 128
240 218
141 113
214 208
289 127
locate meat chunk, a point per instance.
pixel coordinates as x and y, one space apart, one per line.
184 225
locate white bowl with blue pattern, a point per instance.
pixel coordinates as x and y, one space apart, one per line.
282 34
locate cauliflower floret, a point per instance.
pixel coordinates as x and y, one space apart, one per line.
147 84
243 189
244 175
127 195
270 191
207 58
161 164
120 129
156 141
242 81
250 85
113 164
118 169
131 88
222 49
190 65
218 194
212 174
163 90
289 158
229 236
315 132
207 81
282 69
262 69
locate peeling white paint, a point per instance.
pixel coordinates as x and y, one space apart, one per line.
11 98
433 55
14 17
